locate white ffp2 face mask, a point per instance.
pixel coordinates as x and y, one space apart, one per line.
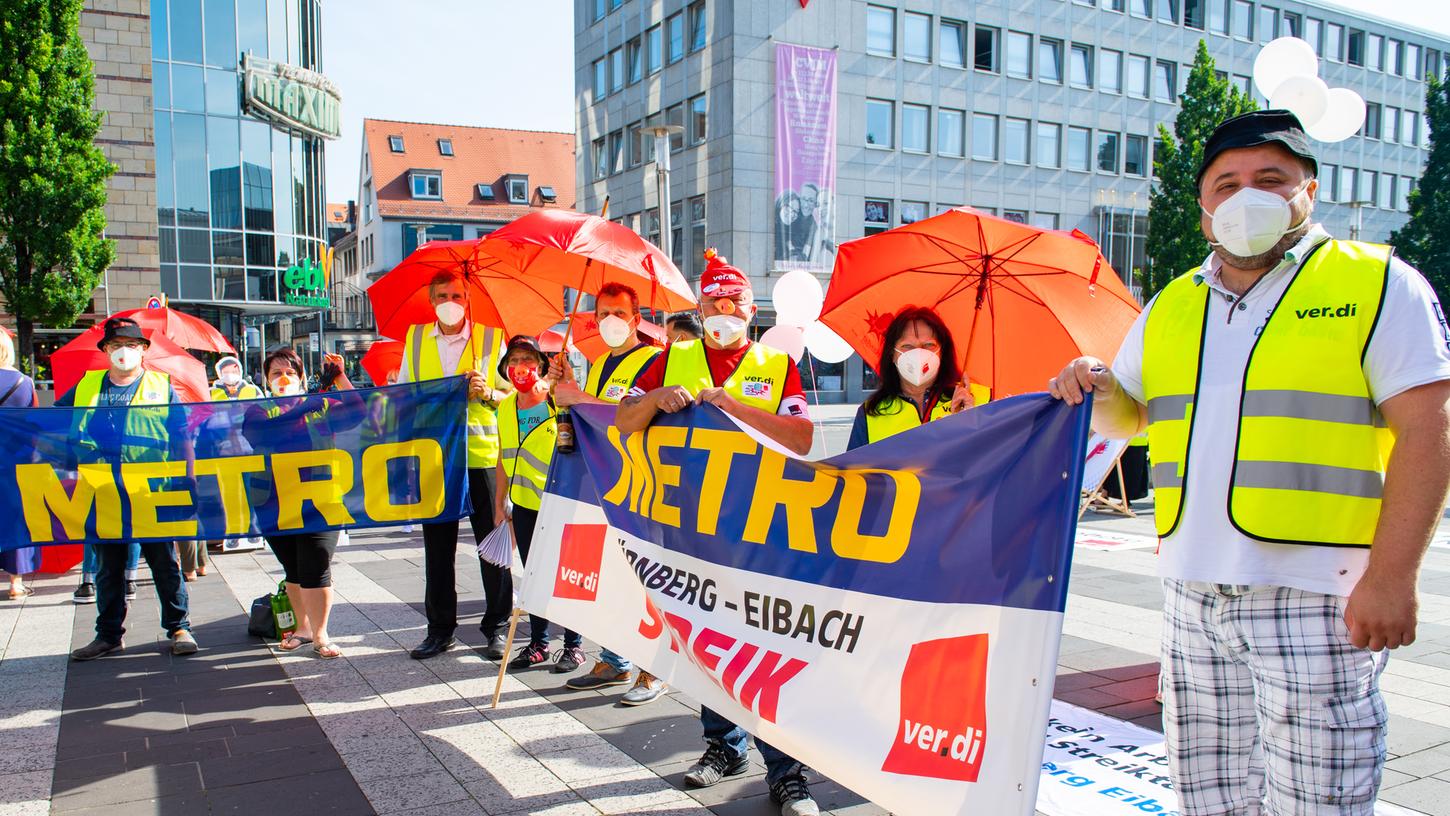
1251 221
231 378
726 329
126 358
449 313
918 366
286 386
614 331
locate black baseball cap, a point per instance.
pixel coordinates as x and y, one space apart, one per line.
521 341
1259 128
118 328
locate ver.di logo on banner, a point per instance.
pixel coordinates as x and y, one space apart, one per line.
580 553
943 710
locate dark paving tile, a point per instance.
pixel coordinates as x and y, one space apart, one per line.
194 751
319 793
183 804
264 765
308 733
147 783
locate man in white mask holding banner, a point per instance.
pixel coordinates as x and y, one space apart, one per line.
453 346
1294 388
760 387
616 311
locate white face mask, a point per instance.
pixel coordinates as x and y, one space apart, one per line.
918 366
615 331
285 385
449 313
126 358
726 329
231 378
1251 221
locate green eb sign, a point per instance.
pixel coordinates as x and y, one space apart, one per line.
306 283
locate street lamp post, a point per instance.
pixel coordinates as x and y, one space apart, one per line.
1358 225
662 133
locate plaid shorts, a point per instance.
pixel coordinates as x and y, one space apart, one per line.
1267 706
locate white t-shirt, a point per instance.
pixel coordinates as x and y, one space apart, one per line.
1410 347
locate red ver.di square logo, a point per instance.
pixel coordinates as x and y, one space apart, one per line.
943 732
579 557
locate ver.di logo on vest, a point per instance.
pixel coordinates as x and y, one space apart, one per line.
1347 310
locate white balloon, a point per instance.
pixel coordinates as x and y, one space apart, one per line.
1307 97
1283 58
798 298
789 339
825 345
1342 118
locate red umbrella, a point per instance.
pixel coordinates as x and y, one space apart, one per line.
587 340
552 342
188 375
499 295
382 358
1020 301
187 331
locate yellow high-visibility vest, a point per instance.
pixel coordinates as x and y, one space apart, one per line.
758 380
147 437
420 354
245 391
623 375
1312 447
897 415
525 462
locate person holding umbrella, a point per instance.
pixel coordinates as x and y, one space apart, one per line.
146 435
918 365
1296 393
715 371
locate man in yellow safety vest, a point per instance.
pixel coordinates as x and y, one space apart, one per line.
229 383
762 388
1294 388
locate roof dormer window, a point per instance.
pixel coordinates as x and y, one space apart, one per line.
485 192
395 144
445 147
547 195
426 184
518 189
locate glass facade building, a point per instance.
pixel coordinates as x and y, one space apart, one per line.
238 199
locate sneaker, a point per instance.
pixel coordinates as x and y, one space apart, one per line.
571 658
85 594
647 689
793 796
182 643
600 676
530 656
717 763
96 648
130 590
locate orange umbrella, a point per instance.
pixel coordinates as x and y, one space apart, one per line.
1020 301
383 357
187 331
71 361
499 295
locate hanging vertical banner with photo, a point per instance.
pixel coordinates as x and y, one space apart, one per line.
805 157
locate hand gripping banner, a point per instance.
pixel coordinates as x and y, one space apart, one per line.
890 616
365 458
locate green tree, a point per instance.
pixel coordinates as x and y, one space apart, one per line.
53 247
1424 241
1175 242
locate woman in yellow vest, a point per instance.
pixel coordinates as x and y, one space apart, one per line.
919 380
526 445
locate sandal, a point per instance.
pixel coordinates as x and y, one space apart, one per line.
327 651
300 641
23 592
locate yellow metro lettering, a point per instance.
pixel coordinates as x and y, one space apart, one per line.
847 541
665 475
145 501
377 498
799 498
42 494
635 480
325 494
722 446
232 487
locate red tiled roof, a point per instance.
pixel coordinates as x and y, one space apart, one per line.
336 213
480 156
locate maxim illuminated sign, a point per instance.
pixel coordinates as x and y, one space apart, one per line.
290 97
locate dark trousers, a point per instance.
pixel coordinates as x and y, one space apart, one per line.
306 558
111 588
721 731
440 545
524 521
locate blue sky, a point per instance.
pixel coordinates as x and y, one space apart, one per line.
510 63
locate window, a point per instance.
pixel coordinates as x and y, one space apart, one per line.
1019 216
1244 84
1243 19
485 191
614 4
1344 190
636 139
1412 62
1290 25
1049 144
1218 16
634 60
1367 187
1044 220
395 144
1410 128
1313 34
426 184
616 156
1110 70
1328 175
915 128
601 78
1141 8
912 211
1402 197
917 31
1165 85
697 234
675 115
952 44
1392 58
1374 52
1079 143
697 30
1138 76
1159 146
598 10
1195 13
1168 11
1107 152
1114 5
653 55
950 139
445 147
601 159
677 234
1080 66
1387 192
1014 141
1432 63
1049 60
1019 55
1354 48
881 31
698 120
984 136
879 116
367 202
616 70
877 216
1135 156
1268 23
984 55
1334 42
1371 128
675 29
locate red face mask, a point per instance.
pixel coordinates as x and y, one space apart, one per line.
524 377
